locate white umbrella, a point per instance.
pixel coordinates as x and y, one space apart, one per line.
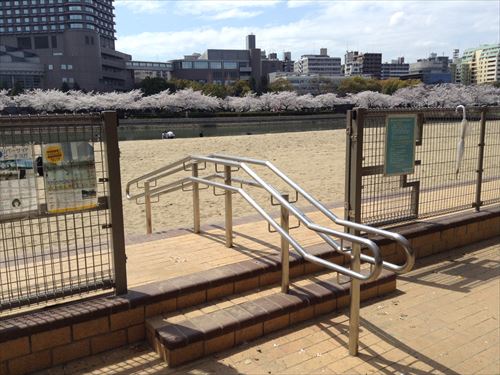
461 141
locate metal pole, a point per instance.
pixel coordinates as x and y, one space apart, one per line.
285 262
147 203
353 212
480 159
196 200
355 302
115 200
229 207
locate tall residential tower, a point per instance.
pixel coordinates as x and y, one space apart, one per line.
50 43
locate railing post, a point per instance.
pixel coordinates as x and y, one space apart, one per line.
355 302
229 207
147 203
285 261
480 159
353 212
115 200
196 200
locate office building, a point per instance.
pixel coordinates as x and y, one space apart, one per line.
321 64
225 66
308 83
432 70
149 69
61 42
394 69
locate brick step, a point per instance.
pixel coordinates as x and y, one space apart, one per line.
228 280
189 339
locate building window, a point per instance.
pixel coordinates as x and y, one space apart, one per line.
41 42
50 67
24 43
187 65
215 65
230 65
201 64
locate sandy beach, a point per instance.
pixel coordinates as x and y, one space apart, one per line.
315 160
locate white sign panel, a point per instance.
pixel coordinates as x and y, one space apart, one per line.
17 180
70 176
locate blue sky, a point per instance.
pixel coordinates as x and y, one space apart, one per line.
161 30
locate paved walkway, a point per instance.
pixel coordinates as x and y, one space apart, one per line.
443 319
182 252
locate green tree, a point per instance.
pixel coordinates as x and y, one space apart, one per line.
279 85
150 86
357 84
239 88
391 85
215 89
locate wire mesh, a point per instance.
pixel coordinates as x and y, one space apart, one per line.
490 192
55 235
434 188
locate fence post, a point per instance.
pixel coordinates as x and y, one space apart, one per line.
285 255
229 207
353 213
196 200
115 200
480 159
147 204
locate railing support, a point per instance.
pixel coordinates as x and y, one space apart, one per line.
355 302
480 159
285 247
229 207
147 204
196 200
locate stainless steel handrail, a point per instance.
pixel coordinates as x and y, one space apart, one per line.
403 242
191 163
257 181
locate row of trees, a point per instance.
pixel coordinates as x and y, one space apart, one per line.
322 85
445 95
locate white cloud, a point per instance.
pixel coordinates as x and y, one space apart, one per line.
439 27
396 18
218 9
299 3
234 13
142 6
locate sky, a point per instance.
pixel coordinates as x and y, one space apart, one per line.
161 30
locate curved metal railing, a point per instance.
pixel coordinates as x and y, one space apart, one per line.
403 242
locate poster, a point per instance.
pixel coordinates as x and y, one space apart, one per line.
70 176
17 180
400 141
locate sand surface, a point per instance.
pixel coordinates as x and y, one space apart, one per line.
315 160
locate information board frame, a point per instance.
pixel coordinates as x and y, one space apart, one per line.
392 122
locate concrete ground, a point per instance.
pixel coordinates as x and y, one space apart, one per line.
444 319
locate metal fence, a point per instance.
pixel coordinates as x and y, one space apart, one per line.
61 234
432 187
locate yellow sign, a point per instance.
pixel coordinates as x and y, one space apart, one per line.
54 154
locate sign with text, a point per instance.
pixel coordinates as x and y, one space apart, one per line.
17 180
400 139
70 176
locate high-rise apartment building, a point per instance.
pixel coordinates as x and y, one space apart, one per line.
365 64
49 43
480 65
321 64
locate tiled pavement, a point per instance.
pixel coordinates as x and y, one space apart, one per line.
182 252
443 319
